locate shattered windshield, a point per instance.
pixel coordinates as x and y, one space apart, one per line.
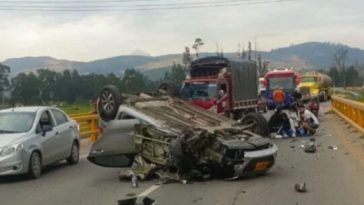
198 90
286 83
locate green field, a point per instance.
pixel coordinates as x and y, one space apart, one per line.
77 108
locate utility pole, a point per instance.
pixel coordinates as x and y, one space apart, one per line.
250 50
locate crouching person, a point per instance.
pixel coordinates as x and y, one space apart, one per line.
287 129
309 121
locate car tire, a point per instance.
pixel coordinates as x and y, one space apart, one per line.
261 126
35 165
109 102
168 89
74 155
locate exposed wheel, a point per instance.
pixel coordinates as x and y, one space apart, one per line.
259 123
35 165
168 89
74 155
109 102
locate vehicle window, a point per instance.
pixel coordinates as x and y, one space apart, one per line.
60 117
46 119
198 90
16 122
285 83
124 116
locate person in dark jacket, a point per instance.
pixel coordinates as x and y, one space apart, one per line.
275 121
287 128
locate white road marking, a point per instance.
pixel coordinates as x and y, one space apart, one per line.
149 190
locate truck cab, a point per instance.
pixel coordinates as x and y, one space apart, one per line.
209 94
285 79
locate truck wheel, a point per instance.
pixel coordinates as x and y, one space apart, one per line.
260 125
109 102
168 89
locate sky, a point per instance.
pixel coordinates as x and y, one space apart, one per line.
109 28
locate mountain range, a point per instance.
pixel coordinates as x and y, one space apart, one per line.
310 55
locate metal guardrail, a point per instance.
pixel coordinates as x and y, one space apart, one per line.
88 125
351 111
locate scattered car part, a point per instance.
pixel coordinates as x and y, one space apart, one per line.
300 187
310 147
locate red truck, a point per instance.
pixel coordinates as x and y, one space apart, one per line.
226 87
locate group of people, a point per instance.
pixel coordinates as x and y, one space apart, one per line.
298 121
294 123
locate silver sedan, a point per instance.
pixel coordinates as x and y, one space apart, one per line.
33 137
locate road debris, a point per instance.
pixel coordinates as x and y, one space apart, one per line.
134 181
333 147
300 187
310 147
136 201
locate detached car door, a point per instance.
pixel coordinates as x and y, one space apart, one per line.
116 147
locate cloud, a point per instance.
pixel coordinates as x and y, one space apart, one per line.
93 35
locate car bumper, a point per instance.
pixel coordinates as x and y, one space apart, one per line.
253 158
13 164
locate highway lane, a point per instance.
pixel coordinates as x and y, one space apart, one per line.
332 177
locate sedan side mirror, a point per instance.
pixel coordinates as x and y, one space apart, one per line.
46 128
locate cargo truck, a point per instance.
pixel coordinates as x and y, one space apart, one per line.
225 87
315 84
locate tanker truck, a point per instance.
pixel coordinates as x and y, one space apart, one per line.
315 84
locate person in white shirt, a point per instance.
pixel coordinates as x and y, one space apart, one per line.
308 120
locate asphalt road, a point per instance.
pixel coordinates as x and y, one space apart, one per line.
332 177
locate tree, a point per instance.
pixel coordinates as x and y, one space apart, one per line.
4 77
249 50
176 76
334 74
340 58
198 43
26 89
186 57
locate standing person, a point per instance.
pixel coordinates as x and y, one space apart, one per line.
287 127
278 96
308 120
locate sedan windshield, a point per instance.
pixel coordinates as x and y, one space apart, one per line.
15 122
198 90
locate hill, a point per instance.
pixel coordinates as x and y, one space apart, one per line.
310 55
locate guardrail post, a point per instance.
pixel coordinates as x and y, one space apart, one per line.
93 129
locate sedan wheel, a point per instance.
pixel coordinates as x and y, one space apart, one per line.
35 166
75 154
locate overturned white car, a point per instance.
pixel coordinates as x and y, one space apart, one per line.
158 135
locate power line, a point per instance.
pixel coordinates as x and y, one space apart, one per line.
49 4
231 3
73 2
